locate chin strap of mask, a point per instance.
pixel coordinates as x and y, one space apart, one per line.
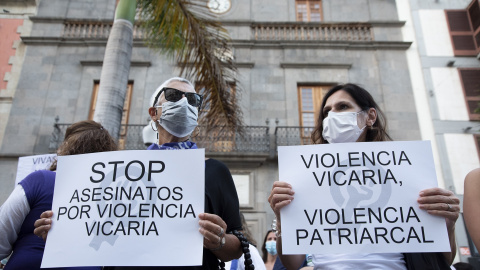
246 251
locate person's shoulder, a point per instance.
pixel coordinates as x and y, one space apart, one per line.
473 176
40 174
215 163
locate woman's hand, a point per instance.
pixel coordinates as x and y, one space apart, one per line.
213 229
440 202
226 247
443 203
280 196
43 225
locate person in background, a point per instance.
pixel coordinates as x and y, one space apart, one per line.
174 113
348 113
239 264
269 249
34 194
471 205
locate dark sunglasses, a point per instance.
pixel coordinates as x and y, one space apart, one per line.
174 95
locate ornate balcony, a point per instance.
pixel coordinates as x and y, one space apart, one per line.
287 31
255 140
285 136
93 30
298 31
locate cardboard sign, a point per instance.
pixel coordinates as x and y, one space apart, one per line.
29 164
127 208
359 198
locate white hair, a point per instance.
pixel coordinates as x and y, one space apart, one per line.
164 84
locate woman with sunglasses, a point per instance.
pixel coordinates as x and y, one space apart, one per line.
174 110
348 113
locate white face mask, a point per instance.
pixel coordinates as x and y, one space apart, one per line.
341 127
178 118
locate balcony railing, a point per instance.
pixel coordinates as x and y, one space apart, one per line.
293 135
290 31
254 140
94 30
315 32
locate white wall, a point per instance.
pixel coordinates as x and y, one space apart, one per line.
463 157
435 33
449 94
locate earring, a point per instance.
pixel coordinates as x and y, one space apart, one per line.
151 125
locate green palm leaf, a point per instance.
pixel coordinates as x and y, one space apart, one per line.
186 30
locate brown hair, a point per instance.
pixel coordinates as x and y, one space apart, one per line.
85 137
375 133
246 231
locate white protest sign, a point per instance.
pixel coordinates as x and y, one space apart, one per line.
29 164
127 208
359 198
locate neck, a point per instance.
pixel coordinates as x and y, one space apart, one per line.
165 137
271 258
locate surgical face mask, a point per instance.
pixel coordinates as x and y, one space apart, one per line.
341 127
178 118
271 247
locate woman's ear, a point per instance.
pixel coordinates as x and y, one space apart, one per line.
371 116
153 113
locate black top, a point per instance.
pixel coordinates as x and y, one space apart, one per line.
220 199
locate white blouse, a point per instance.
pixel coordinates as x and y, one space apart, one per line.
371 261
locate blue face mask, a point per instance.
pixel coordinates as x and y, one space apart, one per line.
271 247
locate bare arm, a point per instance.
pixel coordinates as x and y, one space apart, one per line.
443 203
280 196
471 205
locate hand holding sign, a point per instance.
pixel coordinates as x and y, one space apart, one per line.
280 196
440 202
43 225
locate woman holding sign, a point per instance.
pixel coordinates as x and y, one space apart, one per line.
174 112
349 114
34 194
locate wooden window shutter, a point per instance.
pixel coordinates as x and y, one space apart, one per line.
474 14
470 79
477 142
461 33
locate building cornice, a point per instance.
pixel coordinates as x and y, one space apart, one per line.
293 65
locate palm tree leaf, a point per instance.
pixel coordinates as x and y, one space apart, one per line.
186 30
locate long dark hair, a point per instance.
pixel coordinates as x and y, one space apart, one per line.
264 249
85 137
378 132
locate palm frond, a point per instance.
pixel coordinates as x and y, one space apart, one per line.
186 30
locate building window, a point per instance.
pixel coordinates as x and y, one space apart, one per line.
126 109
477 142
309 10
464 28
310 99
470 80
